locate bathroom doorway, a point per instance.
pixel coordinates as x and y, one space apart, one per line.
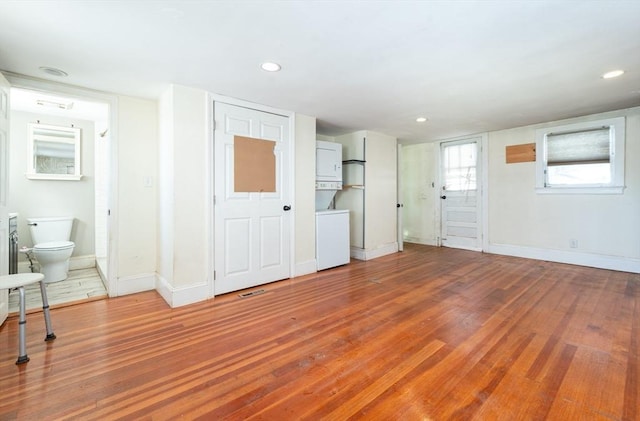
87 199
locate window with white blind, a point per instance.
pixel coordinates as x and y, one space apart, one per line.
581 158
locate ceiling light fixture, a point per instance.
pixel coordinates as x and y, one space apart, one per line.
612 74
270 66
53 104
53 71
421 119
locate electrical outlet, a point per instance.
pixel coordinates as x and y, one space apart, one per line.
573 243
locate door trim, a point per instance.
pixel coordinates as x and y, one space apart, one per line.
484 157
212 99
400 199
482 183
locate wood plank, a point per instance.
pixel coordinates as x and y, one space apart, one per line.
521 153
429 333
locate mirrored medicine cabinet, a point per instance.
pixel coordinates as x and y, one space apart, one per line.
53 152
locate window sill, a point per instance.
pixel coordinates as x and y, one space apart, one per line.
580 190
59 177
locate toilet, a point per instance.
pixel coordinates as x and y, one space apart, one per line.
52 246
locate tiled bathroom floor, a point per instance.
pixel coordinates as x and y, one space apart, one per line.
82 285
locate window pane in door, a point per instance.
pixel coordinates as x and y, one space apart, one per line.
460 167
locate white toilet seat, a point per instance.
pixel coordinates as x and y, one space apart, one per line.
54 246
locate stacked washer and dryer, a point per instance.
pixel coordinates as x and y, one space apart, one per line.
332 225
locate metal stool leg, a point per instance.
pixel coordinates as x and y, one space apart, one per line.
22 329
45 309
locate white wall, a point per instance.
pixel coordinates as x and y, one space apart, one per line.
325 138
137 157
184 200
381 191
165 226
191 245
38 198
523 222
305 177
418 172
183 224
373 223
101 185
349 197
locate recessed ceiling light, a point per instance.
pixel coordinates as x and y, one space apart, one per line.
421 119
53 71
612 74
270 66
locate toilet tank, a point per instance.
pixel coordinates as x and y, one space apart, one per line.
45 230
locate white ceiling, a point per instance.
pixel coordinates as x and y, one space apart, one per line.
468 66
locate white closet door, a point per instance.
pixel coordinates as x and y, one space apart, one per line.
252 229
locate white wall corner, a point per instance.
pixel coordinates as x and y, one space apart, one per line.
305 268
358 253
164 288
137 283
571 257
177 297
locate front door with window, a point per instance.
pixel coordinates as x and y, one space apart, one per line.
460 197
252 198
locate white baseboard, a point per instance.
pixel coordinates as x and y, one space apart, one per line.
101 272
177 297
368 254
417 240
82 262
571 257
137 283
75 263
305 268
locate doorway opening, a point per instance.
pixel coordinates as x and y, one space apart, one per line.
86 199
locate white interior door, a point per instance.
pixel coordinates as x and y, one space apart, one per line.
252 229
4 192
460 194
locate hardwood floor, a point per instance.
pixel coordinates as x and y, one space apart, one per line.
427 334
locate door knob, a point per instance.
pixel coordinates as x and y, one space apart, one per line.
443 197
286 208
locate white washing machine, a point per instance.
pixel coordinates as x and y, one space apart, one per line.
332 238
332 225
